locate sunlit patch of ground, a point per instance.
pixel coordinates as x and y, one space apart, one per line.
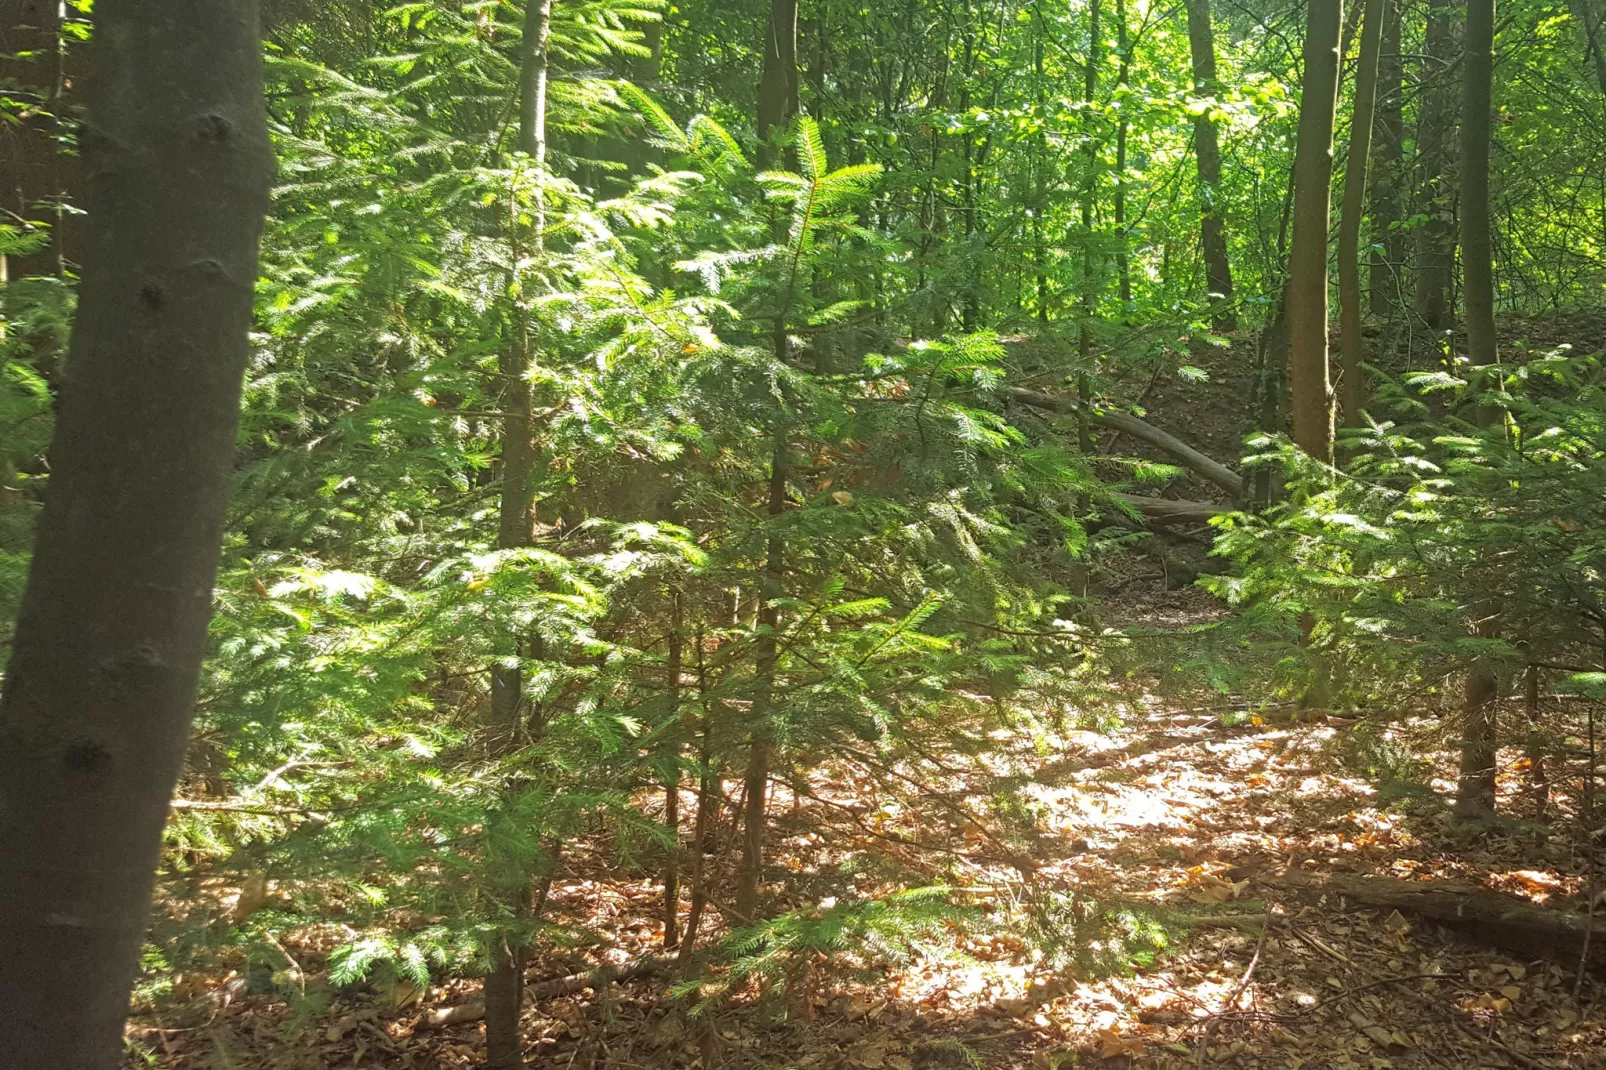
1182 818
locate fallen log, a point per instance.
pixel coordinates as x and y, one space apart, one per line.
1162 511
1206 467
474 1010
1504 921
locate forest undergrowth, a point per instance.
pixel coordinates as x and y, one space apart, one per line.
1158 879
1194 844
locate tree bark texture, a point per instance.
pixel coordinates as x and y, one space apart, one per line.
1307 258
1475 792
778 80
30 168
1352 346
1388 243
1477 246
1207 148
1436 192
504 985
100 689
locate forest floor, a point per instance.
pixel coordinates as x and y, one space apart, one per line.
1182 816
1191 849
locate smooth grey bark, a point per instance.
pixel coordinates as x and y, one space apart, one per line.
100 689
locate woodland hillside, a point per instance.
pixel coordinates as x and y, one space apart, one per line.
810 534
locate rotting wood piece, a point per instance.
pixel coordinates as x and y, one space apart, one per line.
1206 467
474 1010
1503 921
1163 511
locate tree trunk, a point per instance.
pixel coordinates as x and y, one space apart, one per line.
1475 792
708 792
778 82
1123 257
504 985
1435 123
100 689
1388 246
761 739
1477 246
1090 185
777 103
1353 349
971 313
1212 234
673 667
1040 171
30 182
1307 258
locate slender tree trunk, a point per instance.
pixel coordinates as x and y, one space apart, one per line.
761 739
970 315
100 688
1538 775
675 661
1475 793
504 985
708 791
1212 233
777 103
1090 186
1040 169
1388 246
1307 259
1353 348
1123 259
1435 124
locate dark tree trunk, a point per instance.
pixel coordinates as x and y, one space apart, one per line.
777 103
1475 793
708 793
1388 243
1212 233
970 315
778 81
1123 265
1090 188
30 168
1435 197
673 667
504 985
1353 348
761 740
1477 246
101 685
1307 259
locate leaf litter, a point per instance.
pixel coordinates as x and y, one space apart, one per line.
1207 842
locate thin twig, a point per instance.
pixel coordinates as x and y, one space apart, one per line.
1232 1001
